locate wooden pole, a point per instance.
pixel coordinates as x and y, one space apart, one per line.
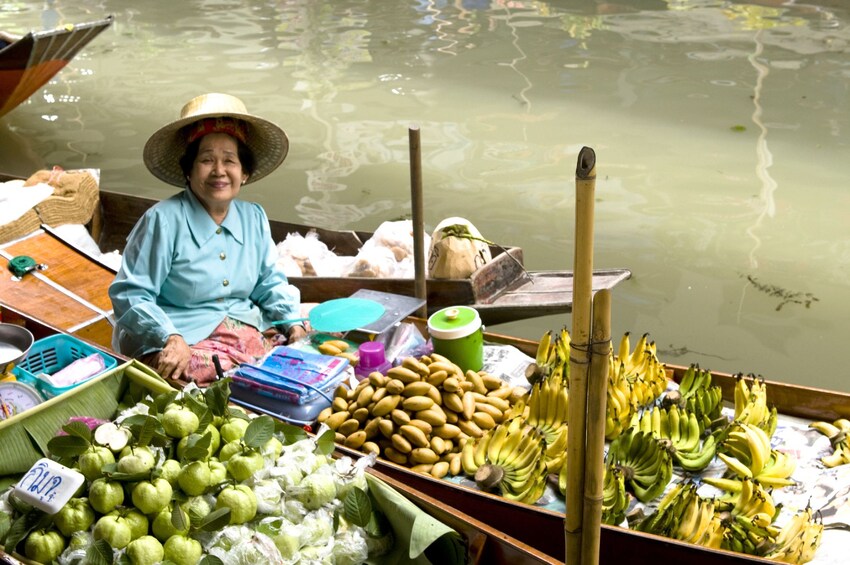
594 462
579 352
418 220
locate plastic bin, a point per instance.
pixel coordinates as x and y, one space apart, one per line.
54 353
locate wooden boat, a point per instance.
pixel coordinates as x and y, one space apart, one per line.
485 544
543 529
501 290
540 530
59 295
28 62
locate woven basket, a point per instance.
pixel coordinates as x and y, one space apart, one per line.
17 229
24 437
75 197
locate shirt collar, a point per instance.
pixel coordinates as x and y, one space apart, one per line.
203 227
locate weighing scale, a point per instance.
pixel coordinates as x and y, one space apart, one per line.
15 396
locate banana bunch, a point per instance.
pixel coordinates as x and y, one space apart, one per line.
752 536
747 452
509 458
620 407
681 434
646 466
615 499
552 357
837 432
798 540
751 404
744 497
548 403
646 375
697 394
683 515
632 359
654 372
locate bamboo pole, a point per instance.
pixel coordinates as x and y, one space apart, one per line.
417 206
579 352
594 462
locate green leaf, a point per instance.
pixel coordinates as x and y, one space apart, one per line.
448 548
179 517
378 526
110 471
325 442
162 401
210 560
5 524
205 418
78 429
99 553
21 527
357 507
217 395
215 520
259 431
291 433
738 128
198 447
67 446
146 429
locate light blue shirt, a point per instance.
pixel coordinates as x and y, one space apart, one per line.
183 274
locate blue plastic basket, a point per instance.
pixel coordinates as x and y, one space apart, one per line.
54 353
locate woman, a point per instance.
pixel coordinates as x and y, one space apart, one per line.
199 274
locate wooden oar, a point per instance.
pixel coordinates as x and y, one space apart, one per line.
416 199
579 352
594 463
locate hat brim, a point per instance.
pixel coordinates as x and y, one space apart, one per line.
166 146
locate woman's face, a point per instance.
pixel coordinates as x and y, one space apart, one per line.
217 176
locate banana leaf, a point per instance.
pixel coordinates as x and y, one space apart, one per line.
24 437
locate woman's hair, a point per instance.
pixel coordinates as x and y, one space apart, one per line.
246 156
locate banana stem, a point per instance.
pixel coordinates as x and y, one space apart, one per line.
579 353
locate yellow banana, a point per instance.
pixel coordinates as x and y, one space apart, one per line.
623 351
736 466
827 429
759 448
467 455
543 347
498 437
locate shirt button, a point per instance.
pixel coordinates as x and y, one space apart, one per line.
219 230
225 282
222 256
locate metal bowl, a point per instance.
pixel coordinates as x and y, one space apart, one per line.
15 343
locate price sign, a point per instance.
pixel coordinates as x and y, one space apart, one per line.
49 485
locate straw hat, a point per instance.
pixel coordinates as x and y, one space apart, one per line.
168 144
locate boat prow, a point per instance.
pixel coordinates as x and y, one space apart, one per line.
28 62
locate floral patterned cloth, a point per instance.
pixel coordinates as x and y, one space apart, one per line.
233 342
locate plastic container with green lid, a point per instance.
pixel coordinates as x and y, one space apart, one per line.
458 335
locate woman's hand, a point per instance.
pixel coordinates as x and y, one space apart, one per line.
174 358
295 333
